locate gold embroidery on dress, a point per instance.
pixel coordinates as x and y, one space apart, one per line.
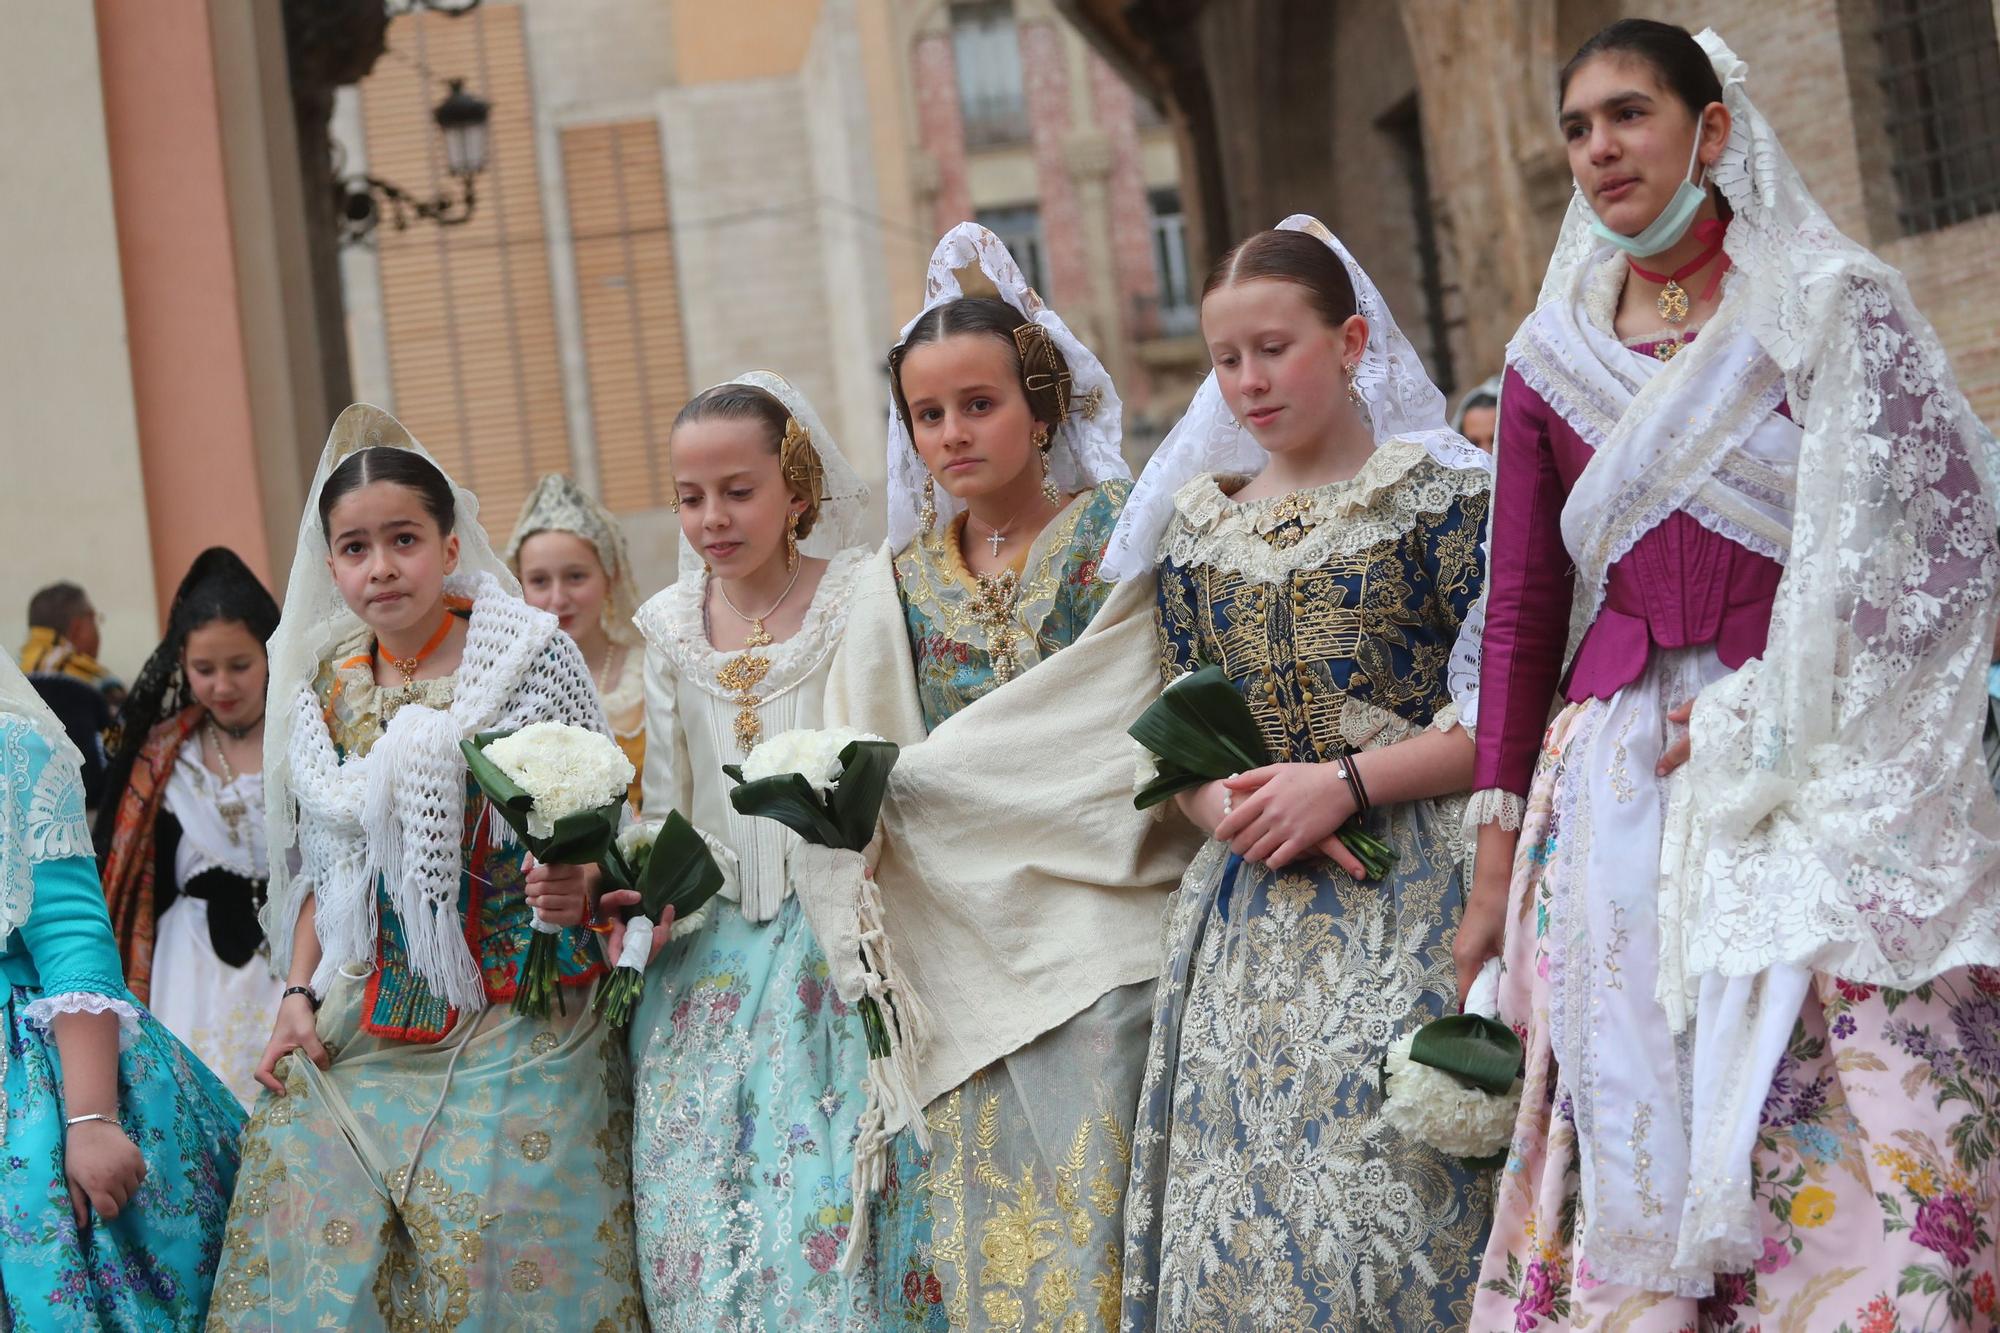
741 678
993 611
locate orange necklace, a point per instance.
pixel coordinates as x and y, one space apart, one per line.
408 665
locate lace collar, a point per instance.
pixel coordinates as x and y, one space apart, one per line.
1270 539
672 622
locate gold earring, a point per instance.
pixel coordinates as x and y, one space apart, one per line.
1049 491
791 543
928 518
1353 392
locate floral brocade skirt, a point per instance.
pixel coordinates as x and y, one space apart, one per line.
481 1182
748 1073
1876 1170
1014 1220
1267 1192
151 1267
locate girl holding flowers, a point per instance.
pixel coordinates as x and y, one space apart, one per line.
423 1155
985 645
748 1066
1316 527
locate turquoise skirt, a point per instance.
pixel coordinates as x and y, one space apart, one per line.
748 1083
151 1267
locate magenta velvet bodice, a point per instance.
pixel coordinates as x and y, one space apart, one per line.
1680 586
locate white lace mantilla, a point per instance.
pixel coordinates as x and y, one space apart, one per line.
673 622
397 813
1399 482
42 823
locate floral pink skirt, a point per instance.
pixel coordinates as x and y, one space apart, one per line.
1877 1170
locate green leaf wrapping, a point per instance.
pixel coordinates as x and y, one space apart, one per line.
844 817
791 800
680 872
1483 1052
1201 730
856 800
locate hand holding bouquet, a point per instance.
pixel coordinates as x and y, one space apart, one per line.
1454 1083
1200 730
560 788
668 863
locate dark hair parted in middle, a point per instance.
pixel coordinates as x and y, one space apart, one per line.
1290 256
1673 55
1048 396
218 587
403 467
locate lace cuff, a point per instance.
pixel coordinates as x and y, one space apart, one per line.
1446 718
1493 806
39 1014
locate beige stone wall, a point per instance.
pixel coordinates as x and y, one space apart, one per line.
72 505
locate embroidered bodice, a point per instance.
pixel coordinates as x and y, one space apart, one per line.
1334 610
701 702
1682 584
960 625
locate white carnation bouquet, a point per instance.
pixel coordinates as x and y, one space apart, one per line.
561 788
1454 1083
827 786
670 865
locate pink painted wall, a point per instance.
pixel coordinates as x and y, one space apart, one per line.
197 448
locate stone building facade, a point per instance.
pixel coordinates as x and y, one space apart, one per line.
1890 109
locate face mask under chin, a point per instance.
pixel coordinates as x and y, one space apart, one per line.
1666 230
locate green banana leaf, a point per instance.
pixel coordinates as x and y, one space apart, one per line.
680 872
789 799
1201 730
579 839
864 782
1480 1051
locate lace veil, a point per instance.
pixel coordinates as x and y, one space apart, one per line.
315 621
843 495
21 845
558 504
1401 403
1087 448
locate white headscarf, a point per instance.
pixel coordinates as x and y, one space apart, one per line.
32 827
843 495
1086 449
315 621
1400 401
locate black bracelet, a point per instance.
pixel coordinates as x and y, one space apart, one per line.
306 991
1362 805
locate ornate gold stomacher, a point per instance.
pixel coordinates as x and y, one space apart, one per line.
746 671
993 611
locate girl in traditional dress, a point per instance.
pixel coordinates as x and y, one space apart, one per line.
1019 888
748 1067
425 1157
1758 990
569 554
182 825
1317 528
120 1148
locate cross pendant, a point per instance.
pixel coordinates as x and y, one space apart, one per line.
995 540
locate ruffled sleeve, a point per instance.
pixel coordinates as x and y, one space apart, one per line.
1529 584
68 931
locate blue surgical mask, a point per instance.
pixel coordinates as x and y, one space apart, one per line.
1666 230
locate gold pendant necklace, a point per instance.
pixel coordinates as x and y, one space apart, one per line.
747 670
229 805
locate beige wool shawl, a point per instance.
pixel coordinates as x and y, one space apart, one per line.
1018 884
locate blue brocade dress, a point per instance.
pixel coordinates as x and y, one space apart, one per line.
1266 1191
151 1267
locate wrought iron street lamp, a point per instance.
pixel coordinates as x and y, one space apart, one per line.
364 201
